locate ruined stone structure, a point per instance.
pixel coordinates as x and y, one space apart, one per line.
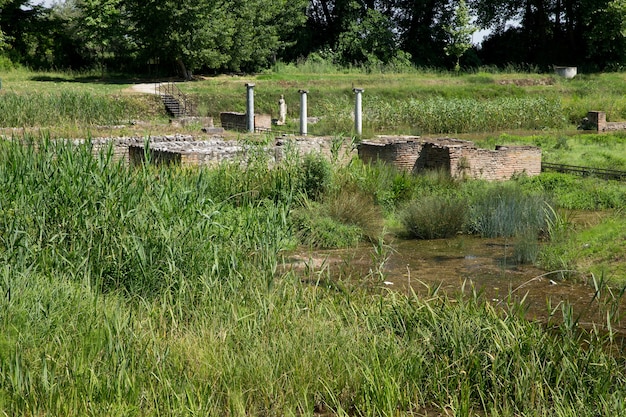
462 159
187 150
214 151
408 153
119 146
238 121
596 120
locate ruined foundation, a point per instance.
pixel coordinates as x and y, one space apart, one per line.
462 159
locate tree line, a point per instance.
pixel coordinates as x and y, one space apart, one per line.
216 36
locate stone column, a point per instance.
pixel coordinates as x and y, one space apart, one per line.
358 118
303 112
250 108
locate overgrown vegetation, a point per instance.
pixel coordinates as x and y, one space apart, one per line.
153 291
416 102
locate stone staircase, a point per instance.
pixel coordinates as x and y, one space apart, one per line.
175 101
172 105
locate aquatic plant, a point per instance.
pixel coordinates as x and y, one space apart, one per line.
434 217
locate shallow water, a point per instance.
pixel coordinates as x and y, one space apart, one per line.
461 264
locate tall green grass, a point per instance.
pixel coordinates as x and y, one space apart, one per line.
503 210
152 291
465 115
67 108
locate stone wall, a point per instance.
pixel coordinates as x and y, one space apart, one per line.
239 121
332 148
206 152
500 164
401 152
459 158
120 146
216 150
596 120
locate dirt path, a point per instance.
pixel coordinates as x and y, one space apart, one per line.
144 88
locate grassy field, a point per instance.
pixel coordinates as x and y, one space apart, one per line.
152 291
420 102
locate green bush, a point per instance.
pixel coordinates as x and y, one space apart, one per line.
577 193
316 229
352 206
504 211
315 175
434 217
526 249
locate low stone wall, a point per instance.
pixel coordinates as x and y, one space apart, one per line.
459 158
340 150
239 121
195 153
401 152
502 163
214 151
596 120
120 146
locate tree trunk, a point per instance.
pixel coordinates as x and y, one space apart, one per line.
183 69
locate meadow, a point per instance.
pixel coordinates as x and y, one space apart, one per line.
160 290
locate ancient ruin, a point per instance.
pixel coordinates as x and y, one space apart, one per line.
596 120
462 159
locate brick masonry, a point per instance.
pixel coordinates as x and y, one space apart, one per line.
462 159
409 153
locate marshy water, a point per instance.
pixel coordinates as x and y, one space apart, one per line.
461 264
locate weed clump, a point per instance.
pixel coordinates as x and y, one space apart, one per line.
505 211
434 217
315 175
352 206
315 228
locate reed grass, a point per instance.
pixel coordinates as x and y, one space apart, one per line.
153 291
503 210
434 217
465 115
67 108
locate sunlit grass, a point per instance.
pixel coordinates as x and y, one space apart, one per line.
153 291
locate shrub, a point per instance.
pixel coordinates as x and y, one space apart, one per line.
315 175
316 229
352 206
434 217
505 211
526 248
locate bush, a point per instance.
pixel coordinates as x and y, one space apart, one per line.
352 206
315 175
505 211
316 229
434 217
526 248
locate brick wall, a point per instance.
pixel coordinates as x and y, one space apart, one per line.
495 165
459 158
596 120
297 146
402 153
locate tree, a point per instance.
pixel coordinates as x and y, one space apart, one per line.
421 29
460 31
605 35
19 22
369 40
586 33
103 30
214 35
